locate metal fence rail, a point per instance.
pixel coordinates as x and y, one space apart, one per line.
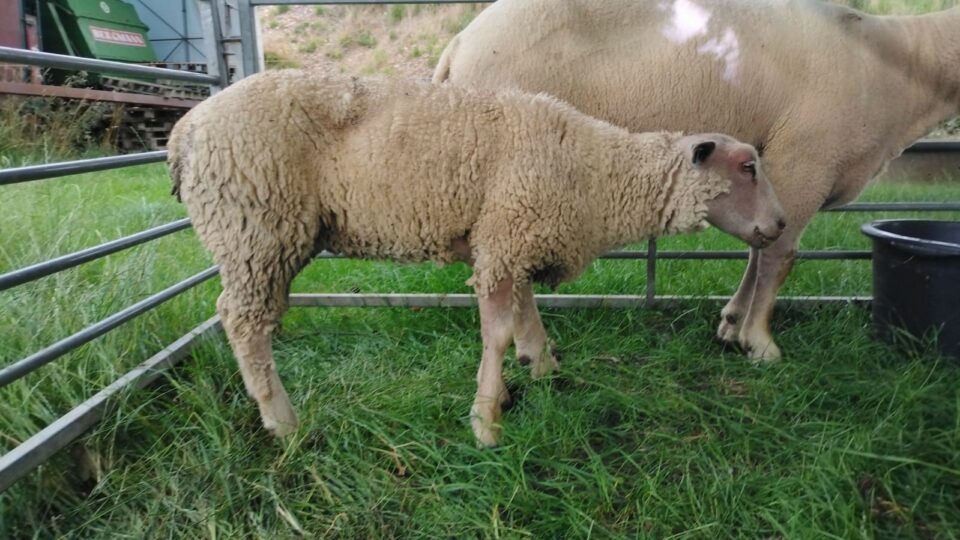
358 2
900 207
39 270
50 60
933 146
26 456
61 432
67 168
556 301
38 448
40 358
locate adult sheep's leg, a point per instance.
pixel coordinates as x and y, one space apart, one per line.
774 265
530 338
496 330
800 200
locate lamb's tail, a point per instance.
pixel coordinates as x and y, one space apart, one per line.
442 73
178 156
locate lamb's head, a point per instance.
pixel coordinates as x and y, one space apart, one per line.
731 191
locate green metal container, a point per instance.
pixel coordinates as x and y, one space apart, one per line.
104 29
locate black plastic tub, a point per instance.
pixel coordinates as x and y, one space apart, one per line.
916 281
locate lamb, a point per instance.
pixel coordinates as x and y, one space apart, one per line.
828 94
285 164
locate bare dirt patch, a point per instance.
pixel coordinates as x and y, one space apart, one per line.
390 40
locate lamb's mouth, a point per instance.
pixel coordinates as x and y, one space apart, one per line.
760 240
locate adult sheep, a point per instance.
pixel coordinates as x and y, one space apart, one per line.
829 95
284 164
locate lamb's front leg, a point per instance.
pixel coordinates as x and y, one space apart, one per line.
496 330
533 347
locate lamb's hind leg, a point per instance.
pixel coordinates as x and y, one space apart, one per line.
249 330
533 346
253 301
250 311
496 330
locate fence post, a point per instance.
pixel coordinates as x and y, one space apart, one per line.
651 271
249 41
212 25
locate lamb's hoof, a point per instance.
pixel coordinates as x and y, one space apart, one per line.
729 328
761 351
486 427
279 417
506 400
280 429
547 365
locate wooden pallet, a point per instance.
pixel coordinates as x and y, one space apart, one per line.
146 128
193 67
159 88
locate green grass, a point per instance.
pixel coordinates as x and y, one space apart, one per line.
651 429
275 60
397 12
455 26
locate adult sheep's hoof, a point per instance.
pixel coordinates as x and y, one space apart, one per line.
761 351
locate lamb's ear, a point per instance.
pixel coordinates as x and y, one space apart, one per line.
702 151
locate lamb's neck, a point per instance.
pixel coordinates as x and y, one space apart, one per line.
929 46
628 181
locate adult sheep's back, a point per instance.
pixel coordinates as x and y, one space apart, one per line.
830 94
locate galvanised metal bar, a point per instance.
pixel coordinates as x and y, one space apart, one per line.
577 301
129 98
36 58
743 255
39 270
359 2
934 146
67 168
249 38
38 448
898 207
210 22
702 255
27 365
651 256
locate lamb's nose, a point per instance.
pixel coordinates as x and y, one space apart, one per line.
782 224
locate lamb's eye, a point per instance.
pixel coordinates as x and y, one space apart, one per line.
750 167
